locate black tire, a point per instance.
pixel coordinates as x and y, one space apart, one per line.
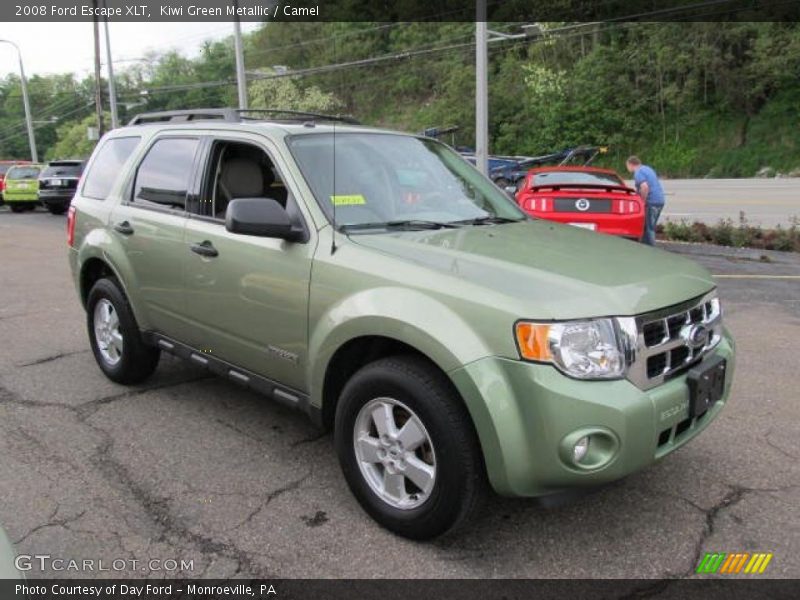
137 360
16 207
57 209
502 182
460 484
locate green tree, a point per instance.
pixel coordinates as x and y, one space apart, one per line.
73 140
284 93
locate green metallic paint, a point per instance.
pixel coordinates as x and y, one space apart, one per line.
523 411
453 295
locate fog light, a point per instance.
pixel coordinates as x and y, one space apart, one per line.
580 449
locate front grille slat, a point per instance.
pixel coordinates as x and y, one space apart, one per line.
664 348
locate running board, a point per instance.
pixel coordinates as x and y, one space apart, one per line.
281 393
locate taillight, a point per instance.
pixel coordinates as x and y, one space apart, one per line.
629 207
71 218
538 204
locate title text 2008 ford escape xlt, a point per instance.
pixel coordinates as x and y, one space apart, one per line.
378 282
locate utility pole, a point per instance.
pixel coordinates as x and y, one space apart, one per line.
112 90
98 94
241 81
25 102
481 90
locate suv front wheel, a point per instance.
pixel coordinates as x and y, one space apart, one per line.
408 449
115 337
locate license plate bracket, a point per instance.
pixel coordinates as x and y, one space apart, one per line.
706 384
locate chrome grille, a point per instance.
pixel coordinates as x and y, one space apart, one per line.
665 343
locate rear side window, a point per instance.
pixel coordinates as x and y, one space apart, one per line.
107 166
164 174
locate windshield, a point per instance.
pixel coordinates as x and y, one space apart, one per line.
63 170
386 179
23 173
576 177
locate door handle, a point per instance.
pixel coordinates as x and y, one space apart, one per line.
124 228
205 248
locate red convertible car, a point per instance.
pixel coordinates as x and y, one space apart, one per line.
588 197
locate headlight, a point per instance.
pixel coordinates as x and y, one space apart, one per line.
580 349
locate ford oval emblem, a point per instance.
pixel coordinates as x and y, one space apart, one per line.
582 204
696 336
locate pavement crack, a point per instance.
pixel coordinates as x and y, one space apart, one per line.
157 509
735 495
48 359
51 522
292 485
774 446
240 431
90 407
310 439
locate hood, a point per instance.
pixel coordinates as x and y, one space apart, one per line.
556 271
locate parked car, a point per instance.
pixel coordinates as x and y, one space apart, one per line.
508 171
5 165
588 197
451 342
8 568
21 191
57 184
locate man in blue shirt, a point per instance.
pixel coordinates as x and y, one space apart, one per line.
652 194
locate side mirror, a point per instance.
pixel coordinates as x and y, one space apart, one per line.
511 190
264 217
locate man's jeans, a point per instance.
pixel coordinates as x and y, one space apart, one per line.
652 212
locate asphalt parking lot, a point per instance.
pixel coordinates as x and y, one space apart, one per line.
192 467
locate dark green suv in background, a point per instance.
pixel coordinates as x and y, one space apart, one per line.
378 282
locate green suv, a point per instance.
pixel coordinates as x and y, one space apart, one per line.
378 282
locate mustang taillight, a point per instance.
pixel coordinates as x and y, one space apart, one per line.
628 207
71 218
538 204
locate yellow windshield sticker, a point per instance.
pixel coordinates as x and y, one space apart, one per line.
349 200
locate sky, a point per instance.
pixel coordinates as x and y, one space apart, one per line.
68 47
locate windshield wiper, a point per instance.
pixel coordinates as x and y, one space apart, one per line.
408 224
488 220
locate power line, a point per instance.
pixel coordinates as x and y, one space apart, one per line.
39 126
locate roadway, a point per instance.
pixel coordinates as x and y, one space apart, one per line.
765 202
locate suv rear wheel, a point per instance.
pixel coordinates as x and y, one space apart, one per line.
408 448
115 337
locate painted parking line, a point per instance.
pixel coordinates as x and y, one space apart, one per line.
742 276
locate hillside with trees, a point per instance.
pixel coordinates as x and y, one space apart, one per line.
694 99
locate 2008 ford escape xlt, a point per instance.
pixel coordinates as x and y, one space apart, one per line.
378 282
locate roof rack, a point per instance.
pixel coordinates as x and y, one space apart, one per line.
234 115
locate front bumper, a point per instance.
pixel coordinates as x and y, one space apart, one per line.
524 413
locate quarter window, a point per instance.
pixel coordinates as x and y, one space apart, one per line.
163 176
107 165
